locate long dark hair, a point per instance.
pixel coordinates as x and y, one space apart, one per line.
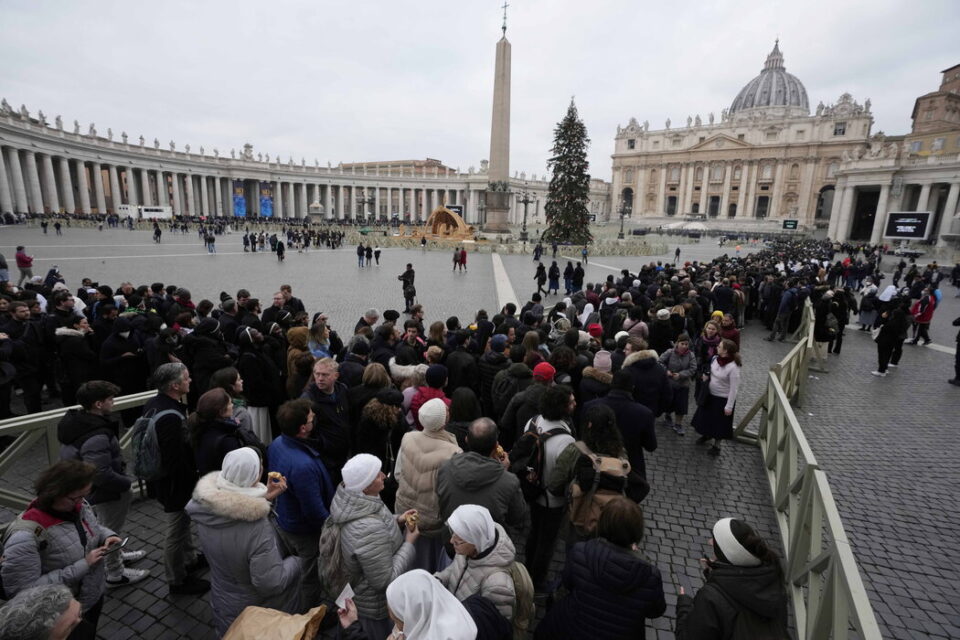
598 426
464 406
752 542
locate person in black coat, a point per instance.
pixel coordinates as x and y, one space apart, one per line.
461 365
611 590
204 352
650 385
331 416
124 363
351 369
80 362
262 385
744 588
488 366
635 421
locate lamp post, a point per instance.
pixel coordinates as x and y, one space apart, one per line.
364 203
623 212
525 199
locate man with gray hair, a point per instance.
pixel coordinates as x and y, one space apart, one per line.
175 488
369 319
40 613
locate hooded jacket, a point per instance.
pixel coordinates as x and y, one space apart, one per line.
246 566
421 455
128 372
470 478
650 387
612 591
296 346
594 384
712 614
487 574
205 352
95 439
374 551
80 361
489 365
519 375
521 408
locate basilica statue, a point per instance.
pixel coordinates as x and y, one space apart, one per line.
697 120
646 125
668 123
156 143
109 134
123 136
42 119
58 121
173 145
711 117
689 122
92 132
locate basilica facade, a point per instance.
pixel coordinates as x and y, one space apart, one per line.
764 159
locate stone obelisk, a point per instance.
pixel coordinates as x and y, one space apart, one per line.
497 198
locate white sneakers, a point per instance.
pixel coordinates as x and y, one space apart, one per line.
879 374
129 557
129 577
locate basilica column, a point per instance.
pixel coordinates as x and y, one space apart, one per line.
725 193
691 180
949 212
175 180
6 195
115 199
704 187
923 203
163 198
33 181
204 196
51 199
191 205
291 200
662 193
878 220
97 174
842 208
83 186
16 175
145 198
806 187
751 185
774 208
742 187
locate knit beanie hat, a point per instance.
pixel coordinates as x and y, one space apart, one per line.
360 471
602 361
663 314
436 376
391 315
728 545
595 330
433 415
498 343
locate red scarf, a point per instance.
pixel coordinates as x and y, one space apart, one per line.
722 361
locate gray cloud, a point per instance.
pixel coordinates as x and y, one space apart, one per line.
379 80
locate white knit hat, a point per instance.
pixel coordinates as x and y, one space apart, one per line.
433 415
360 471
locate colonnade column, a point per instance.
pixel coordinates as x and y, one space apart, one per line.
218 197
191 200
841 207
19 188
376 201
177 198
304 204
163 198
50 185
204 196
114 188
147 200
6 197
878 219
327 210
97 175
33 180
278 200
83 186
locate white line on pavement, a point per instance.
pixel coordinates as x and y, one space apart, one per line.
593 264
501 280
935 347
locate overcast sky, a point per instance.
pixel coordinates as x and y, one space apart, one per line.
386 80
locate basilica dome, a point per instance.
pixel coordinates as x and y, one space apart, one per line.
774 90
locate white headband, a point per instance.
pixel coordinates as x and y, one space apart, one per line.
735 552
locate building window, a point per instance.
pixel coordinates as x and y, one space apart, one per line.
737 172
801 134
698 176
656 144
628 175
734 188
716 172
832 169
702 138
795 172
674 174
938 144
740 136
839 128
771 135
763 203
766 172
765 187
676 142
916 145
732 210
671 205
631 144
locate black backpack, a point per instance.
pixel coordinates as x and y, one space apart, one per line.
527 459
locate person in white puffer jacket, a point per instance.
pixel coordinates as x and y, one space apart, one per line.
484 557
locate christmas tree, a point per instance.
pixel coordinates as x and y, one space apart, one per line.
566 208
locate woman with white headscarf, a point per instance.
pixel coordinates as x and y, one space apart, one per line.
869 304
484 556
376 546
422 609
231 509
585 316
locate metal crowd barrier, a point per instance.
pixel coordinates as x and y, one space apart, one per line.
827 592
34 427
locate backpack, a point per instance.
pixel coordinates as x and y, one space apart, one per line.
868 303
333 572
831 323
585 505
527 459
19 524
524 609
147 464
748 625
502 389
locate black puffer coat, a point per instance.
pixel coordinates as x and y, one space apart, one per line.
489 365
612 593
728 591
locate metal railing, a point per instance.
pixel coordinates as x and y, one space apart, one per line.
32 428
827 592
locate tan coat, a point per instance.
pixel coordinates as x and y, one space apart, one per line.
421 455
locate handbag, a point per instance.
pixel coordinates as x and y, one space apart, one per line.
703 394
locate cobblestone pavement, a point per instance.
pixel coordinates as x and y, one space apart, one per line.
873 437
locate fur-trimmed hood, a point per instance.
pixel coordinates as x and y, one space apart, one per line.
214 507
602 377
67 331
401 372
638 356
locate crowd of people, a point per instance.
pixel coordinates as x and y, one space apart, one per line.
430 466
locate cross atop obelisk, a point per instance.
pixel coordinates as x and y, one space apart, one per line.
499 171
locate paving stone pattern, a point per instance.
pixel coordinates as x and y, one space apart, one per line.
873 437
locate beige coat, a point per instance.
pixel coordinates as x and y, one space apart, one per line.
421 454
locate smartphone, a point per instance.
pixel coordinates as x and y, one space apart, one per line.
116 547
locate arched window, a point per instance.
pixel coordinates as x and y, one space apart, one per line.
626 199
795 172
